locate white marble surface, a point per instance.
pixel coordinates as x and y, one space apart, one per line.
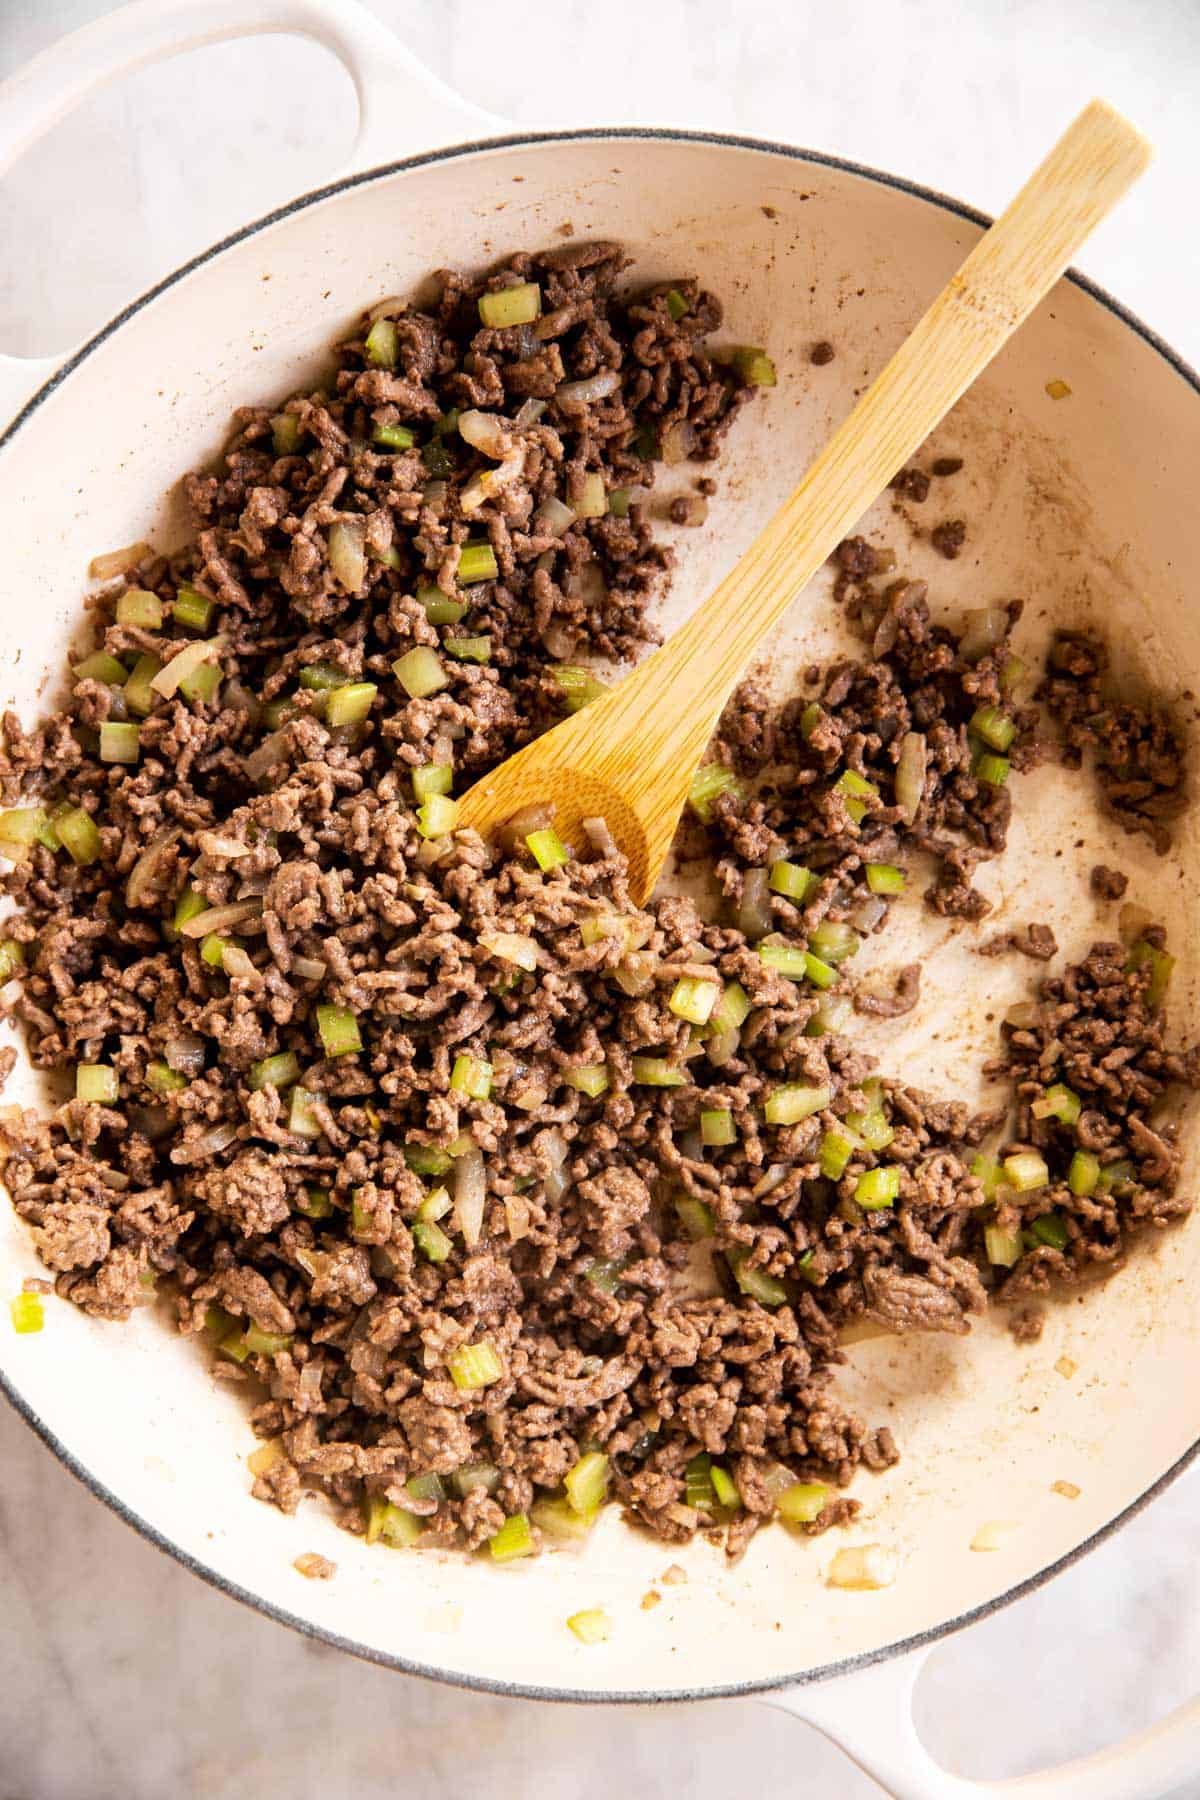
119 1674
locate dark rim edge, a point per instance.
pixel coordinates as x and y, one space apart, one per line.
518 1690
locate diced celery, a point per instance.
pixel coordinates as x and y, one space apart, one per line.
837 1147
754 366
587 1482
877 1188
202 683
475 1475
265 1343
440 609
79 835
618 502
393 437
274 1071
476 562
856 791
213 948
579 686
1161 969
717 1128
393 1524
547 849
339 1031
693 999
12 958
382 346
821 974
725 1488
162 1079
420 672
558 1519
656 1071
834 942
699 1492
119 742
789 1104
707 785
27 1313
471 1077
317 1203
591 501
832 1014
20 829
475 1366
437 817
677 306
513 1539
810 718
785 959
436 1204
1026 1171
756 1283
991 769
519 304
286 432
885 878
591 1079
428 1486
431 779
1051 1230
431 1241
1084 1172
1003 1246
592 1626
139 695
988 1173
1113 1174
1059 1103
995 727
103 668
189 905
140 609
192 608
604 1274
469 649
302 1122
426 1159
792 880
349 705
732 1009
803 1502
695 1216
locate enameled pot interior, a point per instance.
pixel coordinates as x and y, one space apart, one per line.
1075 504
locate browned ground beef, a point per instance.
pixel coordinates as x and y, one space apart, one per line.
631 1287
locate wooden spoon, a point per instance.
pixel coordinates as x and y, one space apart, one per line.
629 757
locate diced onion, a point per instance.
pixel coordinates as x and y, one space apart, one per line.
117 562
575 395
186 663
678 441
513 947
994 1534
309 968
145 870
486 432
236 963
754 907
864 1566
910 774
221 918
387 309
272 750
209 1143
553 517
986 626
184 1053
870 912
1024 1015
470 1193
529 413
489 482
516 1213
347 554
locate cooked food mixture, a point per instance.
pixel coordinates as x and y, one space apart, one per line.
498 1195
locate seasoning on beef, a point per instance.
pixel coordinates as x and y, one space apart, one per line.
1136 751
1035 941
492 1192
949 537
1108 884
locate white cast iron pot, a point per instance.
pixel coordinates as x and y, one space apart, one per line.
1080 504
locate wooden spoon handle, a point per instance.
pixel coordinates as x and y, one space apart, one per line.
1011 268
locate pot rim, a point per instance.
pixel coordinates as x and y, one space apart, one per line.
281 1615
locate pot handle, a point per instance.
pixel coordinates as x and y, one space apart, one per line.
402 108
868 1714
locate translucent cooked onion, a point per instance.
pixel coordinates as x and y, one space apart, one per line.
754 907
145 872
516 1213
209 1143
636 974
221 918
985 628
117 562
309 968
559 640
514 831
218 843
575 395
185 1054
552 517
470 1194
512 947
864 1566
242 700
722 1047
774 1177
678 441
486 432
489 482
347 553
1024 1015
529 414
870 912
602 841
189 659
390 308
435 493
153 1122
273 749
910 774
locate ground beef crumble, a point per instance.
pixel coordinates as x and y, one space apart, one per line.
414 1133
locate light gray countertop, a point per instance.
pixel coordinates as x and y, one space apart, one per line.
119 1673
